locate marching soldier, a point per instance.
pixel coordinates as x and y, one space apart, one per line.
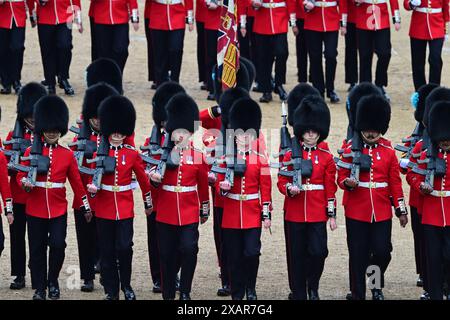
322 22
435 217
104 70
351 48
167 25
5 192
369 185
55 38
183 198
112 30
86 232
309 205
270 28
115 215
23 129
414 144
247 201
150 54
429 26
162 95
374 35
200 13
46 203
13 19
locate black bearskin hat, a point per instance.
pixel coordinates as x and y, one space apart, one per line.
245 114
182 112
93 96
162 95
373 113
421 96
296 96
359 91
226 102
439 119
104 70
51 113
117 115
438 94
27 98
312 114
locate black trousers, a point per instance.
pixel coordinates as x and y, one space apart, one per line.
177 242
112 42
56 51
308 250
211 56
302 52
11 54
351 54
271 49
247 44
2 238
116 253
316 42
153 252
94 50
17 235
243 248
418 56
437 242
288 252
368 244
370 42
86 239
43 233
201 51
417 229
150 61
220 246
168 54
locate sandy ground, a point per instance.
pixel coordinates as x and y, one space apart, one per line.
272 280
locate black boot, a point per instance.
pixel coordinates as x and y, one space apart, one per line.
53 291
17 86
333 96
6 90
377 294
88 286
185 296
111 297
349 296
97 268
68 89
352 85
256 88
425 296
251 294
211 97
154 86
156 287
203 87
419 282
129 294
18 283
313 295
266 97
225 291
281 92
177 283
39 295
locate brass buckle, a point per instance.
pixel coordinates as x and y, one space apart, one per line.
178 189
48 184
116 188
243 197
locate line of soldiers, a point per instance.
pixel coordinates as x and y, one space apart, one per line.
263 28
174 177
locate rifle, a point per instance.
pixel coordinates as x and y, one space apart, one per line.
39 164
19 145
285 136
360 161
165 160
436 167
302 168
415 137
154 147
104 164
85 147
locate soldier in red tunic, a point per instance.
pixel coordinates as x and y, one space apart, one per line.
309 203
370 184
183 198
16 142
50 165
13 19
247 201
115 215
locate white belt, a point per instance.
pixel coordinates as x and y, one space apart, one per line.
324 4
373 185
312 187
375 1
243 197
272 5
179 188
439 194
49 185
169 2
117 188
429 10
14 0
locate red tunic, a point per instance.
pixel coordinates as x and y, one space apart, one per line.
55 11
170 16
4 185
113 11
270 21
13 12
426 24
371 16
326 19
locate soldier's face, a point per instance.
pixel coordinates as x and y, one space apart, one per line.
29 122
310 137
117 138
95 124
52 137
371 136
445 145
181 136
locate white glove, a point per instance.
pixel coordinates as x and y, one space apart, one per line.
404 163
415 3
